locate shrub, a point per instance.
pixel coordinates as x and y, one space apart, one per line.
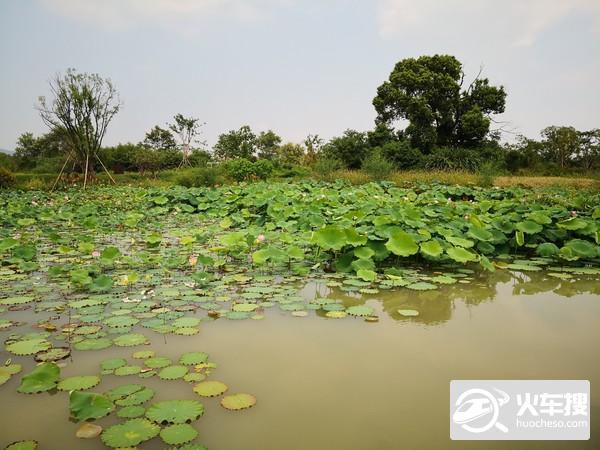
326 166
199 158
198 177
487 172
377 166
7 179
350 148
290 154
453 159
402 154
262 169
240 169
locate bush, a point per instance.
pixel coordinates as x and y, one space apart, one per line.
7 179
350 149
263 168
487 172
199 177
377 166
240 169
199 158
50 165
453 159
326 166
402 155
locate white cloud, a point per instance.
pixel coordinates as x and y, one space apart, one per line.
185 16
519 22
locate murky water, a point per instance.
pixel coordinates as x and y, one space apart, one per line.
347 384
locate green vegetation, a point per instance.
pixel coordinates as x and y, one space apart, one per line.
449 128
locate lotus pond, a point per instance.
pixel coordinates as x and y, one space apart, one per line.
269 316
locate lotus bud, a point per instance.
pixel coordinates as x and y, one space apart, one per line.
573 213
260 238
193 260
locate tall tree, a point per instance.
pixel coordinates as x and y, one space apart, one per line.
428 93
236 144
351 148
589 148
188 130
159 139
267 143
81 108
560 144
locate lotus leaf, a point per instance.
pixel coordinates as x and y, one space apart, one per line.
210 388
178 434
42 378
236 402
130 433
89 405
175 411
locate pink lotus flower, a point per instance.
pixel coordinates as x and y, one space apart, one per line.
260 238
95 254
573 213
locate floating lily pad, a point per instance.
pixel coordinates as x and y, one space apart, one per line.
422 286
143 354
131 412
210 388
135 398
127 370
193 358
112 363
157 362
130 433
236 402
42 378
178 434
360 310
175 411
172 372
79 383
129 340
93 344
28 346
89 405
8 371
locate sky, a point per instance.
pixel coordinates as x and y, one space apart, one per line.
297 67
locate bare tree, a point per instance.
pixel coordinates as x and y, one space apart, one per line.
187 128
82 107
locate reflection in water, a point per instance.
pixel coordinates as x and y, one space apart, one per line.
436 306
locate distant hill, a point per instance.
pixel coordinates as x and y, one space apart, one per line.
8 152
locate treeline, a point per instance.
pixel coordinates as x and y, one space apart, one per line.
428 118
560 149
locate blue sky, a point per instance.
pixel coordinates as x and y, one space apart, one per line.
294 66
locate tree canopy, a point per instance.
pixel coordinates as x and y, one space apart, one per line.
81 108
428 93
159 139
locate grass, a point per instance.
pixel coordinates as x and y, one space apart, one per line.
31 181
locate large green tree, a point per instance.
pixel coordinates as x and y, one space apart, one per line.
560 144
267 143
81 107
236 144
589 149
428 93
159 139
